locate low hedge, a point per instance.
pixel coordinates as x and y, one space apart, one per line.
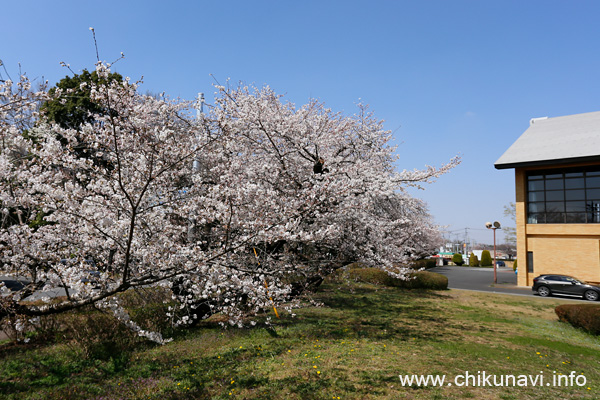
425 263
418 279
584 316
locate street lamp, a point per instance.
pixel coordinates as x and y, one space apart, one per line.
494 226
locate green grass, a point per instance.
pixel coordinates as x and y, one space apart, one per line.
353 347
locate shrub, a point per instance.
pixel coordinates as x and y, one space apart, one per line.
486 259
473 260
426 280
418 279
98 335
355 265
457 259
148 307
426 264
515 265
584 316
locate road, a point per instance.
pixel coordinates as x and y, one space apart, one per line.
474 278
482 279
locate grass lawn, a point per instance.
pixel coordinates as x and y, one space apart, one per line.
352 347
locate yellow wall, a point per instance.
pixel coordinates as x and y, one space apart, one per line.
521 219
569 249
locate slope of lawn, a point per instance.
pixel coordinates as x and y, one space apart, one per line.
353 346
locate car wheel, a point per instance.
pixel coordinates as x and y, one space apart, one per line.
543 291
590 295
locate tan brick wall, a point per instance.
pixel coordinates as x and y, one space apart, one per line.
567 255
521 219
569 249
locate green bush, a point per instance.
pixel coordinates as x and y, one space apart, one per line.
457 259
355 265
426 280
473 260
98 335
584 316
425 263
486 259
418 279
148 308
515 265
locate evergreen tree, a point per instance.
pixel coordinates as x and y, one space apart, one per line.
486 259
74 106
457 259
473 260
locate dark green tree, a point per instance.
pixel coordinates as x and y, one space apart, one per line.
71 108
457 259
74 106
473 260
486 259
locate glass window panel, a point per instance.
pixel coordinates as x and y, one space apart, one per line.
574 183
592 181
536 219
554 184
555 206
575 206
575 194
593 193
536 196
537 207
593 209
564 196
535 185
555 218
556 195
575 218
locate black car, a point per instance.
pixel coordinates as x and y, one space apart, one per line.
549 284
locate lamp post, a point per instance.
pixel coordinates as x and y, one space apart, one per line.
494 226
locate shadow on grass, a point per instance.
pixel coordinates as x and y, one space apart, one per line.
358 311
370 312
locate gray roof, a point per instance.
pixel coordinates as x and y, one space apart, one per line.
560 140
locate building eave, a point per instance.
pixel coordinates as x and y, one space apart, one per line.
542 163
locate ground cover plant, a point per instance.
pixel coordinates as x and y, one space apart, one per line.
353 346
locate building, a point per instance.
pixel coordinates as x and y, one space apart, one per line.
557 182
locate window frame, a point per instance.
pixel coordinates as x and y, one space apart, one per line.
563 196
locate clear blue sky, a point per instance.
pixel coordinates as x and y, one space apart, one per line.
448 77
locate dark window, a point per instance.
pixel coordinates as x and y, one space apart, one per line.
592 181
530 262
569 196
575 195
574 183
536 185
540 196
555 195
575 218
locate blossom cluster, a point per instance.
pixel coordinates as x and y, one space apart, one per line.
234 211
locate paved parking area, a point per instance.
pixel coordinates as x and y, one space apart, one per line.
474 278
482 279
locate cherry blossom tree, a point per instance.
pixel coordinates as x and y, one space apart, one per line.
233 212
324 182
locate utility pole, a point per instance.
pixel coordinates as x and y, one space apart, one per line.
199 115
